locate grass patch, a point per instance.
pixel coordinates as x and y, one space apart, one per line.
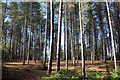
65 74
109 61
116 73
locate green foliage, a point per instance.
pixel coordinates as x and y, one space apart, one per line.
63 74
116 73
78 71
91 74
109 61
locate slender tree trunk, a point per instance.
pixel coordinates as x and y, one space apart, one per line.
113 47
9 55
28 53
66 36
11 45
58 37
24 41
4 56
117 7
17 55
19 51
82 39
77 45
35 45
44 55
64 55
95 44
77 33
91 42
51 37
72 40
19 42
39 39
103 41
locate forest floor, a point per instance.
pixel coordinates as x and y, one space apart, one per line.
16 71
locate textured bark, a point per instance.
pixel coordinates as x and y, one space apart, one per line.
95 44
77 45
66 36
28 54
51 37
44 55
103 40
112 40
9 55
24 40
82 39
59 37
117 6
72 39
64 55
19 49
35 42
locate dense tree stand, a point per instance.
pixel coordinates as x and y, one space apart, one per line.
71 40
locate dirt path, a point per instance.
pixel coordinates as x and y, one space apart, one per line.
16 71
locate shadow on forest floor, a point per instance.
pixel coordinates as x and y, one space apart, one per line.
16 71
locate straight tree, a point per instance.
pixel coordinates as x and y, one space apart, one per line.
82 38
112 40
51 37
44 53
66 36
59 37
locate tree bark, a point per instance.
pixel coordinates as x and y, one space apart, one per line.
24 40
29 40
58 37
44 55
82 38
72 40
51 37
112 40
66 36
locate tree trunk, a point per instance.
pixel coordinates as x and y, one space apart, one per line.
29 40
64 55
103 41
72 40
117 7
66 36
51 37
95 44
59 37
113 47
77 38
82 39
44 54
19 50
35 45
24 41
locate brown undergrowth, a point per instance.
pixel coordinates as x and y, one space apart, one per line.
16 71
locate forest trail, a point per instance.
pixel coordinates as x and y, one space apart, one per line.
16 71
